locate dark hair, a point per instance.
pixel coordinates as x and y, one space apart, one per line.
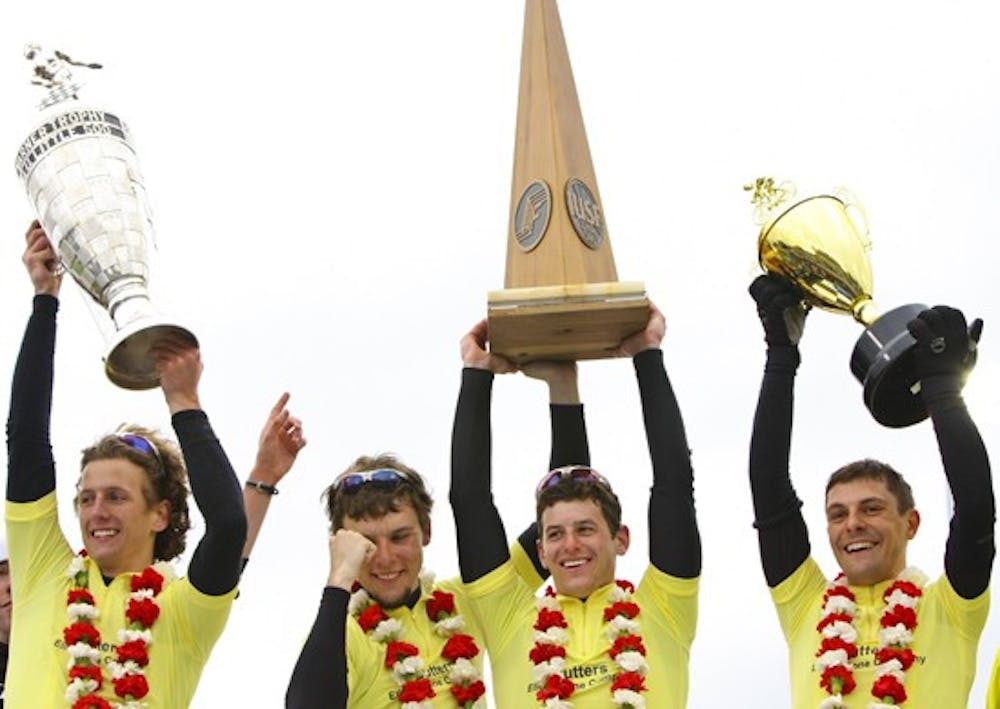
372 500
167 478
869 469
570 489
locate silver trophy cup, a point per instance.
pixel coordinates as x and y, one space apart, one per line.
80 171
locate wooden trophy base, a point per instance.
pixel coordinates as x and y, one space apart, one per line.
570 322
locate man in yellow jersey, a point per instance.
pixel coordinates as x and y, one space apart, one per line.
114 624
592 641
877 634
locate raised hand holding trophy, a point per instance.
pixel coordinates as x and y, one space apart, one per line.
562 299
820 243
80 171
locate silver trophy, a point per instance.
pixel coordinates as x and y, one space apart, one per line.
80 171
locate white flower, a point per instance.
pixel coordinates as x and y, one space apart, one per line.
543 670
76 565
620 625
627 699
79 687
900 598
619 594
553 636
893 667
120 669
166 570
463 671
426 577
550 603
418 705
896 635
408 668
914 575
131 705
389 629
77 611
840 604
142 594
127 635
842 630
78 651
449 626
556 703
358 602
830 658
632 661
834 702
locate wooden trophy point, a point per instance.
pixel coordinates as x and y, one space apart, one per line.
561 298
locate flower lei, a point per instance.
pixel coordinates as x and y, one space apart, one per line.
83 641
893 657
404 659
627 650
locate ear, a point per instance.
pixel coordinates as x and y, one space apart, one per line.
541 554
912 523
161 511
427 534
622 540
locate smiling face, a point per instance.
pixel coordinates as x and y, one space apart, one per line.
117 523
5 602
578 548
393 570
867 531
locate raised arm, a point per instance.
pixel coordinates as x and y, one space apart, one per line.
482 544
215 566
30 467
781 529
944 353
674 542
277 448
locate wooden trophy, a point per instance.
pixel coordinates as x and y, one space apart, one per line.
561 298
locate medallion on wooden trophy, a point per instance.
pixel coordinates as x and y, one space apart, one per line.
561 298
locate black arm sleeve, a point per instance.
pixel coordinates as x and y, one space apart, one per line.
482 544
968 557
31 471
674 542
319 680
569 447
216 563
781 529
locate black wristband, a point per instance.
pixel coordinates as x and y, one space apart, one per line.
262 488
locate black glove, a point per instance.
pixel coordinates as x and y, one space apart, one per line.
944 346
780 308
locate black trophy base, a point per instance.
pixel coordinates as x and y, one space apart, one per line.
883 362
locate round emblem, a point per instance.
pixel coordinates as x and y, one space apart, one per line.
585 213
531 218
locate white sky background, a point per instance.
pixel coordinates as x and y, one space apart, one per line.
331 187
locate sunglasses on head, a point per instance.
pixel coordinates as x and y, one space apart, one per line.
141 444
570 472
382 476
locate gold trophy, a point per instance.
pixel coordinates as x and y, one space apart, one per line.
820 243
561 297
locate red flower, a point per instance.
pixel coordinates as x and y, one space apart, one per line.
837 676
468 694
416 690
459 646
829 644
134 686
889 686
144 612
899 614
135 650
628 680
550 619
440 605
625 608
907 587
82 632
397 650
838 591
91 701
86 672
543 652
832 618
556 686
371 616
79 595
627 643
625 585
905 657
149 578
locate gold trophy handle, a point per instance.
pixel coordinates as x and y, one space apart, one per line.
856 213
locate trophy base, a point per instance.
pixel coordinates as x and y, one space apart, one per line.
571 322
882 361
129 363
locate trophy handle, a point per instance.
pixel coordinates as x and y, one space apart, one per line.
856 213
